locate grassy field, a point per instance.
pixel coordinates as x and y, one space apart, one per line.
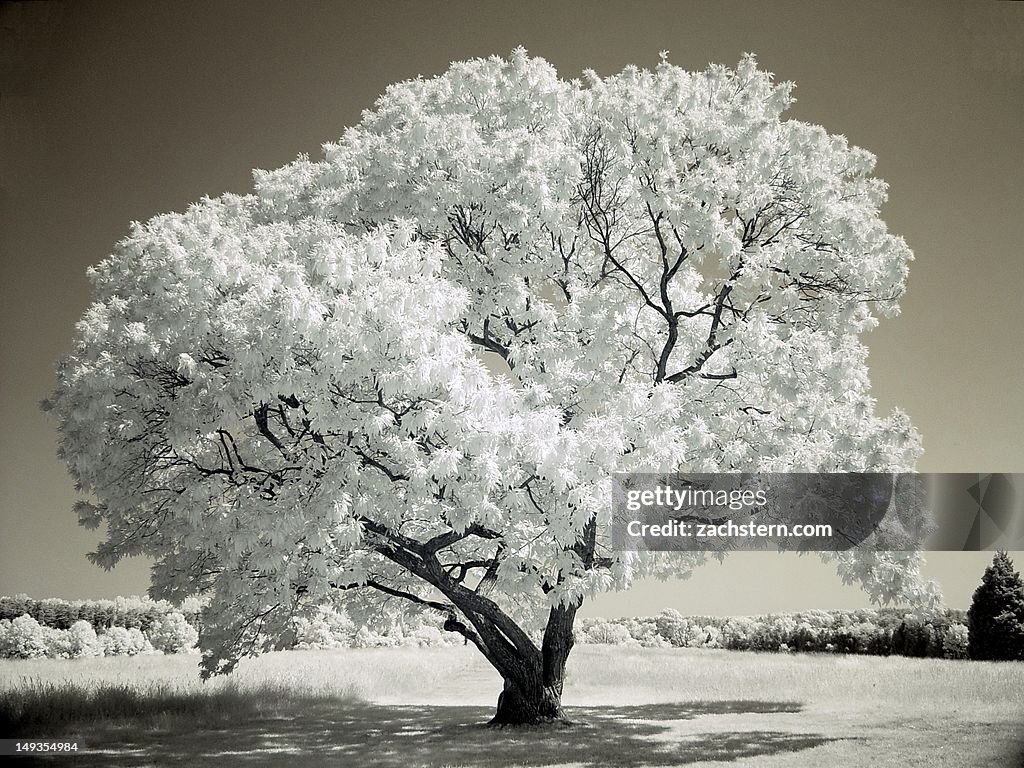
403 708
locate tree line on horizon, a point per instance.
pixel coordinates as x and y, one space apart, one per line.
155 628
992 629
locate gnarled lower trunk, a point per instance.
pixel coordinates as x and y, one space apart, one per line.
537 706
532 692
533 677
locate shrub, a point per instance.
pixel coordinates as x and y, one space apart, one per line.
710 637
76 642
171 633
428 636
772 632
880 642
855 638
737 634
675 629
996 618
913 638
806 638
955 642
316 632
23 638
933 640
367 638
121 641
645 632
608 633
83 640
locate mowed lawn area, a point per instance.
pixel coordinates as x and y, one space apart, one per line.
631 707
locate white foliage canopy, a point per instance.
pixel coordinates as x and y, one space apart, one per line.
496 290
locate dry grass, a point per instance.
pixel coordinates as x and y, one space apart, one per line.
820 679
634 708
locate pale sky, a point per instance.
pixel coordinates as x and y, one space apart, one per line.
113 112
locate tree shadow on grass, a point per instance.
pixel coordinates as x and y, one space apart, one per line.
352 734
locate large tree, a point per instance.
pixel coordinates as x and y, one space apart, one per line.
406 372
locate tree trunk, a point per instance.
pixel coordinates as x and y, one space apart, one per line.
538 705
538 700
533 677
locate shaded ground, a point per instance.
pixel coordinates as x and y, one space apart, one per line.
403 736
418 708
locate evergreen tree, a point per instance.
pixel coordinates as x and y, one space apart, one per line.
996 617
